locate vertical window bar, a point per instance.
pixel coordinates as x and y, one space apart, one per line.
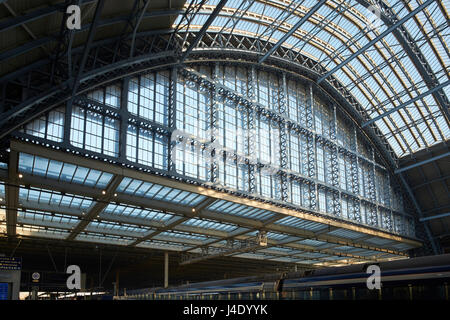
172 117
124 116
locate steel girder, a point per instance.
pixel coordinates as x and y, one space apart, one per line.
421 163
438 216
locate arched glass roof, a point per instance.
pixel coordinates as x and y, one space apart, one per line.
392 56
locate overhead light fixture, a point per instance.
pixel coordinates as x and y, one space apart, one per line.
20 176
103 192
193 209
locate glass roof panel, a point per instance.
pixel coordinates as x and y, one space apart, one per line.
41 218
135 212
208 224
54 199
39 231
66 172
349 28
158 192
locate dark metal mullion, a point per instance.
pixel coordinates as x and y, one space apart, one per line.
102 143
99 177
184 123
123 125
137 188
34 163
71 201
157 192
87 174
154 95
187 195
138 131
180 191
153 134
48 165
148 188
84 126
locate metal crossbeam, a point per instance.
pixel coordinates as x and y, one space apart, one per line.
294 29
426 183
97 208
175 221
375 40
87 47
407 103
421 163
138 22
438 216
242 249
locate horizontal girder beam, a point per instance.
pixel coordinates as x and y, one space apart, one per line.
438 216
423 162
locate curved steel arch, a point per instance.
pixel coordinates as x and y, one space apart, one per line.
351 14
95 76
393 95
40 101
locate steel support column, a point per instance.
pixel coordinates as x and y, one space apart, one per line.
12 194
166 269
124 115
252 89
283 139
172 110
311 146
